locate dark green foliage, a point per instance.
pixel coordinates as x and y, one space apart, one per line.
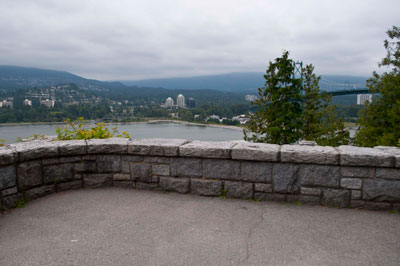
278 119
380 120
285 116
321 122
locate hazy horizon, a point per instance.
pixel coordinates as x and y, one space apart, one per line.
153 39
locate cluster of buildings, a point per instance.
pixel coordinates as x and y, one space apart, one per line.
9 103
180 102
241 118
6 103
251 97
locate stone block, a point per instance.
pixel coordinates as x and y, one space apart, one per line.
124 184
89 158
309 154
72 147
359 204
71 185
259 187
146 186
310 191
108 163
270 197
37 149
133 158
222 169
127 160
50 161
390 173
319 175
377 206
161 169
304 199
240 190
108 146
154 159
57 173
381 190
121 177
352 183
336 198
260 172
8 177
85 167
396 207
206 149
393 150
155 147
355 194
286 178
141 172
29 174
186 167
9 191
97 180
180 185
7 156
71 159
362 172
206 187
350 155
250 151
39 192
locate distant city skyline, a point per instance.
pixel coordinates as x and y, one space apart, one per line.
134 40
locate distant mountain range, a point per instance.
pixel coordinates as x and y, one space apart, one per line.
235 82
14 77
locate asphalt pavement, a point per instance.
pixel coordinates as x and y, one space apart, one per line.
115 226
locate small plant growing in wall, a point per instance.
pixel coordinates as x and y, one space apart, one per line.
2 142
79 130
224 192
20 203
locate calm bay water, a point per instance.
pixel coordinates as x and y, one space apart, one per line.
141 130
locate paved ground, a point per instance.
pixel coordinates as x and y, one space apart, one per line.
130 227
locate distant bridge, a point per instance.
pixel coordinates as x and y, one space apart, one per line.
338 89
349 92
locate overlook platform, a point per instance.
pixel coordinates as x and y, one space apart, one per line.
117 226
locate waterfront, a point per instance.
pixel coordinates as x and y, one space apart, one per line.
167 130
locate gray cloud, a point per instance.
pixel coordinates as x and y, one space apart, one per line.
125 39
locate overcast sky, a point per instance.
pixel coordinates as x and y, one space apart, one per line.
138 39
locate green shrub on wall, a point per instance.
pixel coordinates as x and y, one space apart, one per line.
78 130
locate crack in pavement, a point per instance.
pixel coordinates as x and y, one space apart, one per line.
249 236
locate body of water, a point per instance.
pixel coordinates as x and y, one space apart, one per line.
137 130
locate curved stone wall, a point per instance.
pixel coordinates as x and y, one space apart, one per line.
339 177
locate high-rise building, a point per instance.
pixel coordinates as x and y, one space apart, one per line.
362 98
27 102
191 103
180 101
169 103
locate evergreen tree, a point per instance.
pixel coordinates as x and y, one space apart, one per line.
284 115
278 119
380 120
321 123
